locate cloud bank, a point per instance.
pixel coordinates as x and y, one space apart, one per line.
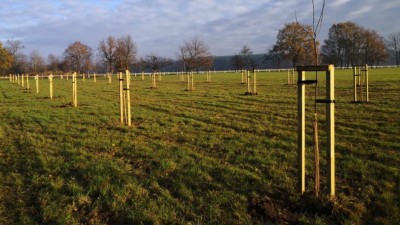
161 26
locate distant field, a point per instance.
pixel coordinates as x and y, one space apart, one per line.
211 156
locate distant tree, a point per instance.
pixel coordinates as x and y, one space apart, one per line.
53 63
393 46
294 43
350 44
195 55
155 63
274 56
6 59
13 46
108 52
36 62
20 64
374 48
125 52
79 56
243 59
141 64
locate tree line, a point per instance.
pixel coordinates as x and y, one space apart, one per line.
347 44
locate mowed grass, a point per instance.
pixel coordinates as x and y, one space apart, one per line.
211 156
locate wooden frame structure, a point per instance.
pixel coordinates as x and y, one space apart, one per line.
125 99
190 82
330 126
290 77
251 90
360 82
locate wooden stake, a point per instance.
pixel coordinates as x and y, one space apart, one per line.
74 90
94 77
22 81
37 83
128 98
27 82
254 83
121 97
50 77
330 128
301 140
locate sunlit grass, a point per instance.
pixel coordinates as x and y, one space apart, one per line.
193 157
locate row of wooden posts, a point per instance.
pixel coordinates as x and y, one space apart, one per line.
360 74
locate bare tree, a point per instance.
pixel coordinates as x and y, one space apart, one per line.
53 63
243 59
13 46
125 52
393 46
108 52
36 62
79 55
155 63
195 55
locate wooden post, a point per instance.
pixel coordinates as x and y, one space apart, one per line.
301 132
142 75
366 83
188 80
109 78
94 77
37 83
254 83
121 97
74 90
248 82
22 81
128 98
330 128
192 79
67 76
27 82
159 76
153 80
355 84
83 76
50 77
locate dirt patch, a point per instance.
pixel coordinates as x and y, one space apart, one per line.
266 209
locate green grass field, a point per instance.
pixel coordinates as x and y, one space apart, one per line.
211 156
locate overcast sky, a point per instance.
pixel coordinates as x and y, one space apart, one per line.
161 26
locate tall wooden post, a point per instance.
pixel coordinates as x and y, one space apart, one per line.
50 77
301 131
37 83
142 75
27 82
254 82
330 128
121 97
366 83
192 81
128 98
22 81
109 78
355 84
94 77
83 76
248 81
74 90
188 80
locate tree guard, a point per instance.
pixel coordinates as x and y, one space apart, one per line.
330 127
360 82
